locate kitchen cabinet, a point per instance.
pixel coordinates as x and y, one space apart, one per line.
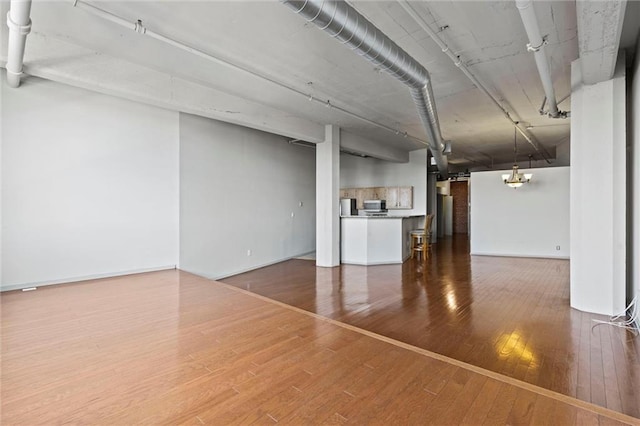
392 197
377 240
348 193
380 193
406 197
397 197
363 194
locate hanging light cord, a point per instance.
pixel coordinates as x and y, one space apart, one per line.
515 147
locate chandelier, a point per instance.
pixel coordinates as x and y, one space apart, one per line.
516 179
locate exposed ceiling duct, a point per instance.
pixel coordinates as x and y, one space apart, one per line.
467 72
343 22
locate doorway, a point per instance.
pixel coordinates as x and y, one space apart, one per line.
459 190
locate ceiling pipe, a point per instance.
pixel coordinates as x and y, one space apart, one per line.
458 63
537 45
138 27
344 23
19 24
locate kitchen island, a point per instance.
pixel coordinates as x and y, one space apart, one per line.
377 240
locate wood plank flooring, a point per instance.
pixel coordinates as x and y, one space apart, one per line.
507 315
173 348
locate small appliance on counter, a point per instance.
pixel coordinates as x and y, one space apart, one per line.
348 207
374 208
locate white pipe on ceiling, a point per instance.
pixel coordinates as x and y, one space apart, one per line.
458 63
138 27
19 24
537 45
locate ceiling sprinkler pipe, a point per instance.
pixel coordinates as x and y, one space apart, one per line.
537 46
19 24
458 62
138 27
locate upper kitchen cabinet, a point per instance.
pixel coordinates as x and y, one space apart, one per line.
364 194
380 193
399 197
348 193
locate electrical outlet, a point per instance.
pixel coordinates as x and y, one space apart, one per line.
557 247
248 252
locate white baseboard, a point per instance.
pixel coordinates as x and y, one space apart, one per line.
241 271
519 255
348 262
84 278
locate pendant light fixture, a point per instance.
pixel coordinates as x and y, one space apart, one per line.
516 179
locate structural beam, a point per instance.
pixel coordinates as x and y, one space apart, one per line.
599 29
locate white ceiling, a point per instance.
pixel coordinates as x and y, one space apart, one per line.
68 44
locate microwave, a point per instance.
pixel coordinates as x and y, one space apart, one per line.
375 205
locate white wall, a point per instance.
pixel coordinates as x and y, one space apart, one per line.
563 153
598 193
447 213
238 190
89 185
358 172
529 221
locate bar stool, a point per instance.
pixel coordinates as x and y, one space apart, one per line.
421 238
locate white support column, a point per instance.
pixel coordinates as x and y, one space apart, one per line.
597 195
634 176
328 198
19 25
432 199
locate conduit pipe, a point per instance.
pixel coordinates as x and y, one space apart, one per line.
138 27
537 45
19 24
458 62
344 23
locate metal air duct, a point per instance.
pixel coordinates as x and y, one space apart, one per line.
343 22
458 63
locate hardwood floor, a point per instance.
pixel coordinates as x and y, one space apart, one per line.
507 315
173 348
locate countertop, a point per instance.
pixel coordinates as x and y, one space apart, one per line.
382 217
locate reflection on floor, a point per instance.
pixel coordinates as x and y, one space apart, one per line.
507 315
173 348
